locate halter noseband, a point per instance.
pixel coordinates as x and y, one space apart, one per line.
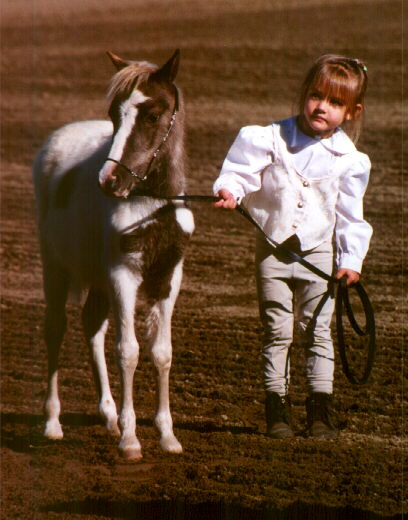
156 153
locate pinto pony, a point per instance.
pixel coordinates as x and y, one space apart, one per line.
105 243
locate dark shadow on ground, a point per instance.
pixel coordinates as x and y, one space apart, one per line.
181 509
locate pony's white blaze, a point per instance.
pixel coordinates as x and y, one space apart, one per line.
128 115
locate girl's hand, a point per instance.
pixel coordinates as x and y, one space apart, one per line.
350 275
227 201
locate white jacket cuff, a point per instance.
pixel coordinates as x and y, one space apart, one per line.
352 262
233 188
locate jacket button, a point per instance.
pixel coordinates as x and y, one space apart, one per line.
306 184
295 225
300 204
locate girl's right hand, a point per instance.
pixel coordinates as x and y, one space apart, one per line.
227 200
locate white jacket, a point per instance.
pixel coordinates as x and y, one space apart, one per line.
295 184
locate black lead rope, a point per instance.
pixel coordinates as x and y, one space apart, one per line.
342 299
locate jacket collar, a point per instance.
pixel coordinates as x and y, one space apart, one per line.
339 143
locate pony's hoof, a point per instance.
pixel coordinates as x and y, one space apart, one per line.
53 431
130 449
132 453
171 445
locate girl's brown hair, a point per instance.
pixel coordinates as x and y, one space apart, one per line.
340 77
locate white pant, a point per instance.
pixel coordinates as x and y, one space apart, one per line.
288 293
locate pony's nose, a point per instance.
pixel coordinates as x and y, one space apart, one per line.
108 185
110 181
112 186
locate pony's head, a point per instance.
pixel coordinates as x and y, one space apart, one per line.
146 156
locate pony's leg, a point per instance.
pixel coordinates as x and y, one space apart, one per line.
124 290
95 325
56 284
159 335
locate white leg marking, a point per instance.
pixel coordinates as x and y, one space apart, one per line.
161 352
53 429
55 287
107 406
125 288
95 324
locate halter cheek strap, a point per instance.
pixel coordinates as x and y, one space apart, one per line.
156 153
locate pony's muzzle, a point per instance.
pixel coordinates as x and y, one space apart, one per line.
112 182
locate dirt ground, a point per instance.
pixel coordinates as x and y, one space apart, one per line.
241 64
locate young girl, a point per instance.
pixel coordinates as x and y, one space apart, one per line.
303 181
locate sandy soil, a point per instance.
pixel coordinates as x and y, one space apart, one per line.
241 64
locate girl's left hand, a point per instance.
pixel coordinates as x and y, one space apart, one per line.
350 275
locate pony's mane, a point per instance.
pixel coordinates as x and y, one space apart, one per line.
129 78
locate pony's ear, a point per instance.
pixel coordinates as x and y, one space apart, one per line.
168 71
118 62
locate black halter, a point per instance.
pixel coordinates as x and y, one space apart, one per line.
156 153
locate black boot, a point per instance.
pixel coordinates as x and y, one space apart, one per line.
277 416
319 416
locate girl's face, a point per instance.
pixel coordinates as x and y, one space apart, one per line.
322 114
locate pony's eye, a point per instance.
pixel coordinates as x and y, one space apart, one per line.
152 118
